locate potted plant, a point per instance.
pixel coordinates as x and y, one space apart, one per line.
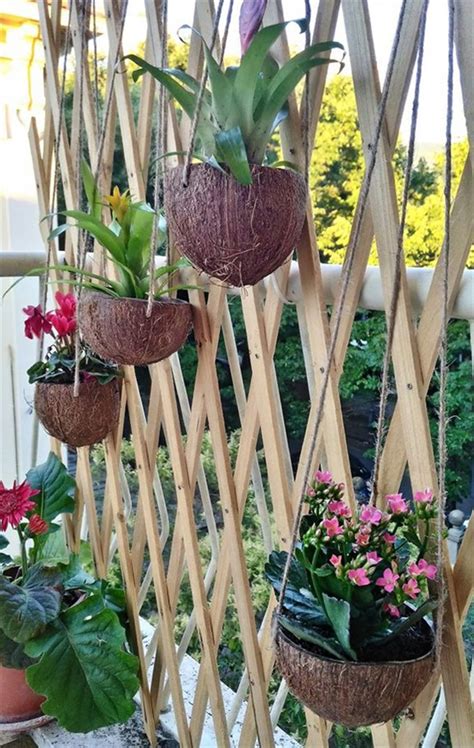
62 633
79 420
353 641
237 219
113 313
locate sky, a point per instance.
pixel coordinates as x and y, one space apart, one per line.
384 15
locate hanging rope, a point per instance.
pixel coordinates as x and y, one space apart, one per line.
226 32
392 315
350 255
57 171
443 353
305 118
84 247
161 138
202 90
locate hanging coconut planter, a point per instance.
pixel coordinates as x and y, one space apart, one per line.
119 329
78 421
236 233
354 693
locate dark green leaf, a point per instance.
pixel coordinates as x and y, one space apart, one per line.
230 149
4 542
339 613
56 486
307 634
96 228
87 677
26 610
13 654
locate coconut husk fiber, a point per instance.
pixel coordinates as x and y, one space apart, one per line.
119 330
78 421
236 233
352 693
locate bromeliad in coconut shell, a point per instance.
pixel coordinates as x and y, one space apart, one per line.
88 417
63 644
236 218
114 318
353 641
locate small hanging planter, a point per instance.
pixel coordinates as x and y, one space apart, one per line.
119 329
233 232
78 421
354 693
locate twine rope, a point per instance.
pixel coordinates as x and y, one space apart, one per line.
202 90
161 138
305 118
350 255
392 315
443 353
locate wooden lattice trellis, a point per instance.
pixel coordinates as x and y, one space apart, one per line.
414 355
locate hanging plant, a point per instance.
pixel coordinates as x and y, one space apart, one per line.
113 313
62 635
353 641
236 218
88 417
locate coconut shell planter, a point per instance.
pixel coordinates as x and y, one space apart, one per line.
354 693
236 233
78 421
119 330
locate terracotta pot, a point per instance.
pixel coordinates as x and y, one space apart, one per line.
352 693
233 232
78 421
120 331
18 702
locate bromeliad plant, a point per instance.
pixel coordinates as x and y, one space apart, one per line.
234 217
358 581
243 105
56 621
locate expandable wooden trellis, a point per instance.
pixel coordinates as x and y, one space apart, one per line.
408 441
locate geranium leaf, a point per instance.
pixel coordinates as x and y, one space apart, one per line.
56 486
88 679
13 654
26 610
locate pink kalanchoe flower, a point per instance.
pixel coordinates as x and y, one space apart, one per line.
310 492
358 577
332 527
389 538
373 557
363 537
336 561
323 476
397 503
423 568
424 497
411 588
251 15
15 502
66 303
36 322
388 580
392 610
371 515
340 508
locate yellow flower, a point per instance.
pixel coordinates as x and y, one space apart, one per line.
119 203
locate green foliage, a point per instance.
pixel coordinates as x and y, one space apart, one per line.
243 105
56 485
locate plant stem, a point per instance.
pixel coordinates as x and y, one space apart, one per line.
24 559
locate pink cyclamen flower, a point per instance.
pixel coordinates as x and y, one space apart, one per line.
424 497
389 538
340 508
336 561
36 322
37 525
371 515
411 588
66 303
332 527
391 610
423 569
251 15
397 503
15 502
323 476
87 377
373 557
388 580
358 577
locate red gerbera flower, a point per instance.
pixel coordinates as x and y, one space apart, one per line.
37 525
15 503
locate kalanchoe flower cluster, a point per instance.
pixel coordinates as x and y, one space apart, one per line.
59 364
